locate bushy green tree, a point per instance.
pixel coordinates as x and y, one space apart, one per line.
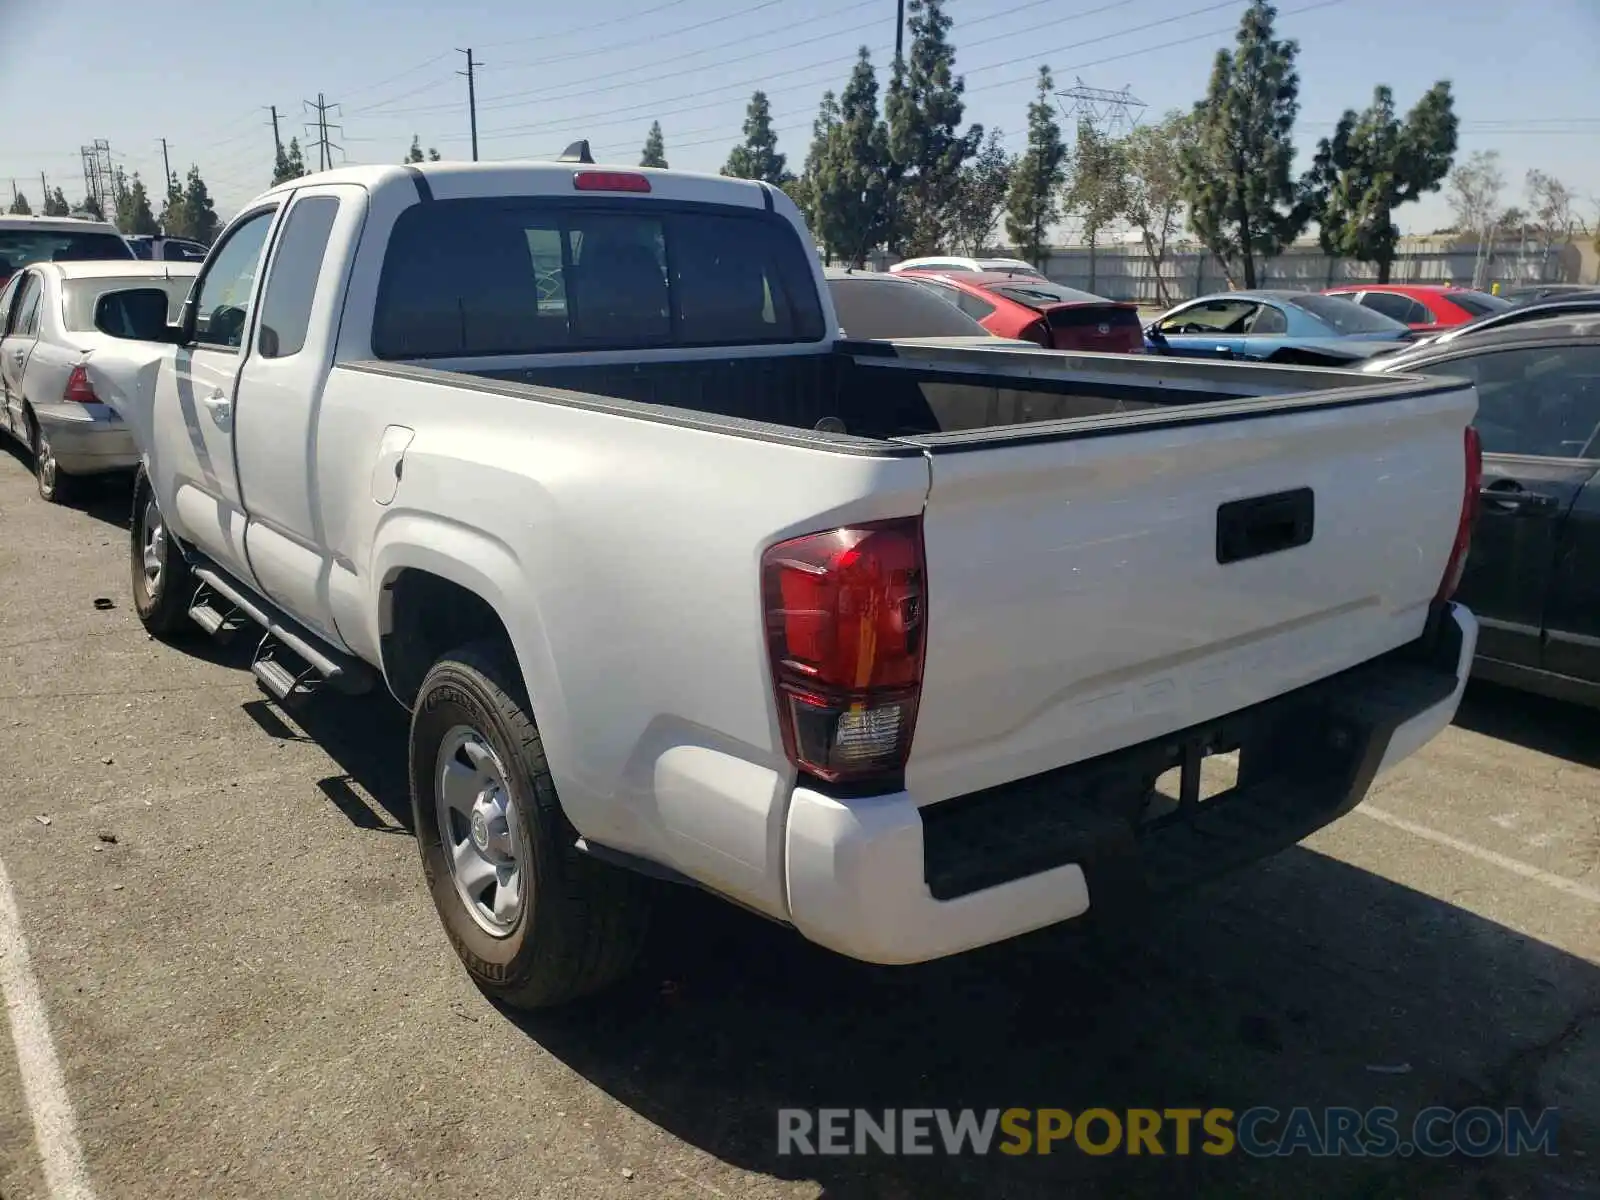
1373 163
1034 202
923 110
981 197
1099 190
655 150
757 156
852 183
1154 156
19 206
134 215
1243 201
290 163
55 204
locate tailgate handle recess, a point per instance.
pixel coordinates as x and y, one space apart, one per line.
1261 525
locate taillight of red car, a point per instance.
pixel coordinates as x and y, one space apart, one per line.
1108 329
846 627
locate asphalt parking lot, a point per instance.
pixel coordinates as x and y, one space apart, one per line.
248 993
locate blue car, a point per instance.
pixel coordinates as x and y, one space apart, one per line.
1274 326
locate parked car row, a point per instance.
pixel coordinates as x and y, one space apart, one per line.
53 315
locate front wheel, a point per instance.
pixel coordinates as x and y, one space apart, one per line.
535 921
163 583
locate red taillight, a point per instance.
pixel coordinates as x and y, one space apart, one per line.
610 181
846 625
79 389
1039 332
1473 448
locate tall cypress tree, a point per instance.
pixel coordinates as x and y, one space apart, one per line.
1243 200
1034 202
757 156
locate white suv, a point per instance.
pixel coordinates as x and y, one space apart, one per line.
28 240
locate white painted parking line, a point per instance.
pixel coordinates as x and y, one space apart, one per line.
1559 883
55 1130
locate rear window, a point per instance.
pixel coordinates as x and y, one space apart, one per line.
892 308
1044 292
79 297
1345 316
23 247
1479 304
529 276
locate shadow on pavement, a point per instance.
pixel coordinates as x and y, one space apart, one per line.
1303 981
1569 731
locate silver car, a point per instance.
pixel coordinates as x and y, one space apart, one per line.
49 313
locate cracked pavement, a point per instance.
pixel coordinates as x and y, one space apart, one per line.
250 995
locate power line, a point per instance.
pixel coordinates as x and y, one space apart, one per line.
561 91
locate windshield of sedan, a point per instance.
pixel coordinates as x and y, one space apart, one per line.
1345 316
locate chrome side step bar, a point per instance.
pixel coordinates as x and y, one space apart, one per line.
322 663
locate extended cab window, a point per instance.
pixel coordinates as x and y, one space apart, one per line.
528 276
292 280
224 297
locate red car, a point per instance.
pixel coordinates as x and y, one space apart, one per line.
1036 310
1425 307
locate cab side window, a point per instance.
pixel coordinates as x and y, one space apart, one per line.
8 301
292 280
223 300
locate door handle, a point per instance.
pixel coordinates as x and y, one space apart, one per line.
1510 497
218 402
18 356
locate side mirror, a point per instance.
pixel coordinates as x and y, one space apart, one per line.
134 314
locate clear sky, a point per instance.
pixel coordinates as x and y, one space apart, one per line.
1526 75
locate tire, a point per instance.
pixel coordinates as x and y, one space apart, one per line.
55 487
573 925
163 585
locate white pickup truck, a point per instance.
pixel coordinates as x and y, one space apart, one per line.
893 644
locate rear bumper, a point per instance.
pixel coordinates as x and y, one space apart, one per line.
87 439
883 880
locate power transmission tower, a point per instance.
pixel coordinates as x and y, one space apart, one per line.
325 148
1110 114
99 179
472 99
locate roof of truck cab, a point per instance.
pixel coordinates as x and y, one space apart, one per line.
465 180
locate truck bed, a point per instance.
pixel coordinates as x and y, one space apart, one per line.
887 391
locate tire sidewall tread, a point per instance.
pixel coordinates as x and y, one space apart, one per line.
583 922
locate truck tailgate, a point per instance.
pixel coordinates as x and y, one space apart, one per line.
1089 590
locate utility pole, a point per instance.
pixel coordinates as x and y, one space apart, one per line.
44 190
325 148
166 165
899 29
277 142
472 98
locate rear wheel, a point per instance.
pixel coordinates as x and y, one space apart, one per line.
54 486
162 581
535 921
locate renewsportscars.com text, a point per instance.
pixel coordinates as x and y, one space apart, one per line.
1259 1132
